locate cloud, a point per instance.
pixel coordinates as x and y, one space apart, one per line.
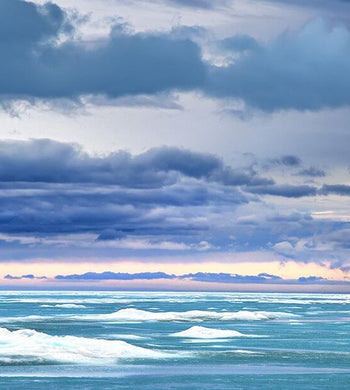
311 279
312 172
110 234
293 162
337 189
284 247
23 23
201 4
288 160
49 188
10 277
303 71
230 278
57 200
29 276
49 161
206 277
86 209
313 3
239 43
340 238
116 276
306 70
292 217
285 190
124 64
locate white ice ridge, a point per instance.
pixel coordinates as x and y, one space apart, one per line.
136 315
29 345
201 332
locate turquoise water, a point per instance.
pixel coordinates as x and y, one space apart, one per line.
150 340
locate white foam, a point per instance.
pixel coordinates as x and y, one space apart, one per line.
201 332
29 345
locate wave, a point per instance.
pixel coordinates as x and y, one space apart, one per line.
201 332
28 345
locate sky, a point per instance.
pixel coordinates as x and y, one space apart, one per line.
175 144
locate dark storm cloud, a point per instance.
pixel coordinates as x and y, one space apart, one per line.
303 71
54 162
37 67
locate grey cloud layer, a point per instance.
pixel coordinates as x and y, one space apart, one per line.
54 195
307 70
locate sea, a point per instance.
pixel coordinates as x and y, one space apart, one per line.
173 340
